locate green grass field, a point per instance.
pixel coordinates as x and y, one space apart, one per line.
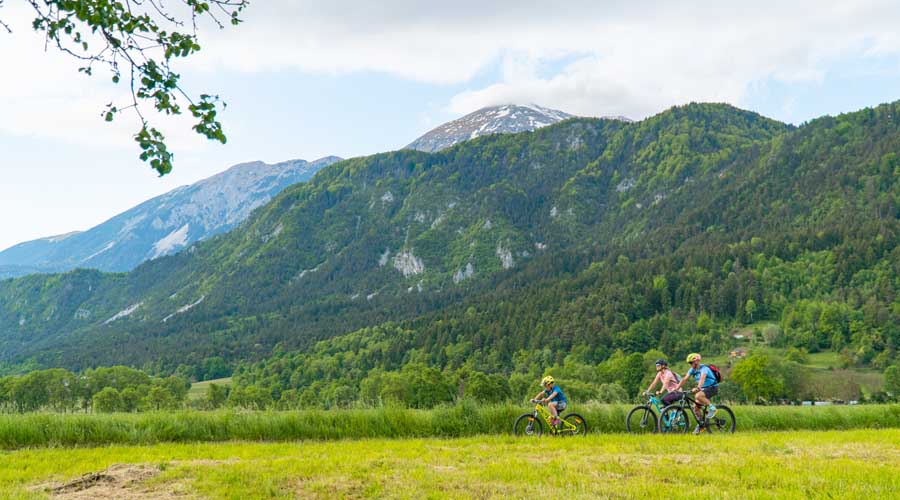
832 464
39 430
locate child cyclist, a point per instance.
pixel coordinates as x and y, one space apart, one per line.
553 396
669 381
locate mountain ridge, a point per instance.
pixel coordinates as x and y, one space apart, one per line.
163 224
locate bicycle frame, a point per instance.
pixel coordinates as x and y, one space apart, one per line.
655 403
541 411
689 403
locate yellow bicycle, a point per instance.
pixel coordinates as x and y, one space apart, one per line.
532 424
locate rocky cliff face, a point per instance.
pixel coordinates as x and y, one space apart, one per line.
163 225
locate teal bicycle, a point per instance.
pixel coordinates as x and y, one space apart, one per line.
642 419
676 418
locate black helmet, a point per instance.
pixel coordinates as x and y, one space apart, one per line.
661 362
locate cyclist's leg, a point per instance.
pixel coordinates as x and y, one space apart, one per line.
699 402
552 407
702 401
670 398
708 394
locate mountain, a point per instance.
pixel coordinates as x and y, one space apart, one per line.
587 240
162 225
505 119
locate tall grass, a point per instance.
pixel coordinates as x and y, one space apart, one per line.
39 430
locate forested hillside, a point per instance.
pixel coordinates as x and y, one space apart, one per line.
575 245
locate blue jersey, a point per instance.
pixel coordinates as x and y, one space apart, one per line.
556 394
710 376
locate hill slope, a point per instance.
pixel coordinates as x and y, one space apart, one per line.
586 237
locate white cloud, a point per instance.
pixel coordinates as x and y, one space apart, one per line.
632 59
641 66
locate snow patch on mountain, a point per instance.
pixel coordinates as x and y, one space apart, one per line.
102 250
124 313
60 237
504 119
185 308
173 241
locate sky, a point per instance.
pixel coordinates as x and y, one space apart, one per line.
309 79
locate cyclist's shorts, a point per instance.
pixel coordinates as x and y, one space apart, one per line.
561 406
711 391
671 397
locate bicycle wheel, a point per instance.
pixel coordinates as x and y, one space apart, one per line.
528 425
723 422
674 420
641 420
578 425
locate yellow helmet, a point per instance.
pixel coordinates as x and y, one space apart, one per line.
546 380
693 356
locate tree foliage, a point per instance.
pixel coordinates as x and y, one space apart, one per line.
105 389
621 239
138 43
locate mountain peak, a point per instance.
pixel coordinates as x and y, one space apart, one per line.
500 119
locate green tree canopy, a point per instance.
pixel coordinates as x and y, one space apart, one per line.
892 380
108 400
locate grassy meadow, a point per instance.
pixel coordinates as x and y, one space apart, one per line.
51 429
198 389
830 464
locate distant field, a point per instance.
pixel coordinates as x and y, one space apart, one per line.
198 389
41 430
825 372
848 464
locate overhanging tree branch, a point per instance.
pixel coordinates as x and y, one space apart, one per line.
147 37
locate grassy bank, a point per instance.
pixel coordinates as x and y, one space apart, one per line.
36 430
849 464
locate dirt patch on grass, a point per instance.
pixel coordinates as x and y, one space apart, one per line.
120 481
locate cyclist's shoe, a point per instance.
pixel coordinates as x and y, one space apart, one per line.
699 429
556 422
712 411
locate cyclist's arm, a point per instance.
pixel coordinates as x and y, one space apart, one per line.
655 380
550 396
702 379
538 395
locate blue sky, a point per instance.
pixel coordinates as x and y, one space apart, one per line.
306 79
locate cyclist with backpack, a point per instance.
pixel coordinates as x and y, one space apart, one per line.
707 377
669 381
